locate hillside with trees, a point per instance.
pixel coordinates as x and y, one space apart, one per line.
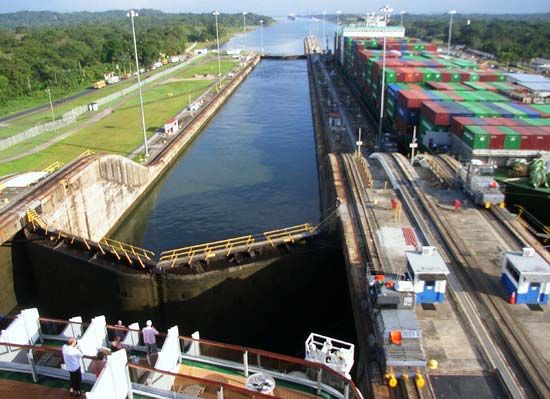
70 51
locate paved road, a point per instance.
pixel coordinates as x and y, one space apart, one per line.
44 107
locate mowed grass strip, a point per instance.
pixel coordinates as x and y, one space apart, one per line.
120 132
20 124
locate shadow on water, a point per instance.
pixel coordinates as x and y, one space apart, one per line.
252 169
273 308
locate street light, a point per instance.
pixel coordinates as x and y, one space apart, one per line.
324 32
451 13
402 13
386 10
215 14
262 34
244 30
133 14
337 24
51 104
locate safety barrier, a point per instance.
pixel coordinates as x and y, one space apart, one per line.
120 249
53 167
86 153
244 243
35 220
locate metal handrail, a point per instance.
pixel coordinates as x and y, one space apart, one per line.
209 249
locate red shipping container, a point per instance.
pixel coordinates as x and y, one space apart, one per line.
533 138
445 76
496 137
458 123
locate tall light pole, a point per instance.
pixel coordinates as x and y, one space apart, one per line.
51 104
451 13
402 13
324 32
337 38
262 35
386 10
133 14
244 30
215 14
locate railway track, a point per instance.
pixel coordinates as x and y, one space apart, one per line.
518 348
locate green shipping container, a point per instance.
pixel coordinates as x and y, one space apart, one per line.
455 77
512 141
537 121
544 108
425 126
476 137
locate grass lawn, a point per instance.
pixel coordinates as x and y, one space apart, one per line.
20 124
119 132
208 68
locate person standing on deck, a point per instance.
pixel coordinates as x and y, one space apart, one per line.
72 356
150 339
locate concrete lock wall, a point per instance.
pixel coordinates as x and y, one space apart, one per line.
88 197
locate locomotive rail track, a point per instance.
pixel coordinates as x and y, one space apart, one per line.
515 348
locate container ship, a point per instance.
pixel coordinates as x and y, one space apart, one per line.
453 104
292 17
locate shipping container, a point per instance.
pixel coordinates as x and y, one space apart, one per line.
476 138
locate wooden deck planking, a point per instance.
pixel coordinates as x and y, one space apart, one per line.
24 390
233 380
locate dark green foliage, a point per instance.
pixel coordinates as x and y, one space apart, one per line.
68 51
509 38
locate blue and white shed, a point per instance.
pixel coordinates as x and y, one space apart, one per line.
428 272
526 277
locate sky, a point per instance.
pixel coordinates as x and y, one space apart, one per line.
282 7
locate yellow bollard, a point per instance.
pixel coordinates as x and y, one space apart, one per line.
420 381
487 205
502 205
432 364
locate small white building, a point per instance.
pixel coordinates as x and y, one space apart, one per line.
200 51
526 277
171 125
93 107
428 273
175 58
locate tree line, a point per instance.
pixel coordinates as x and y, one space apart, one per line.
69 51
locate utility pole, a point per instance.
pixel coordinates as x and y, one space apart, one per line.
133 14
216 13
244 30
414 145
262 35
51 103
359 143
386 10
324 31
451 13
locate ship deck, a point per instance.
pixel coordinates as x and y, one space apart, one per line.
199 370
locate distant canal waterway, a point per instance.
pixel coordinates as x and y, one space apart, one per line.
252 169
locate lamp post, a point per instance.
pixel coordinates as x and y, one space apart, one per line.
386 10
215 14
244 30
51 104
402 13
133 14
337 38
262 35
324 31
451 13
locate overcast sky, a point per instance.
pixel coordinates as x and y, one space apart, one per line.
281 7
